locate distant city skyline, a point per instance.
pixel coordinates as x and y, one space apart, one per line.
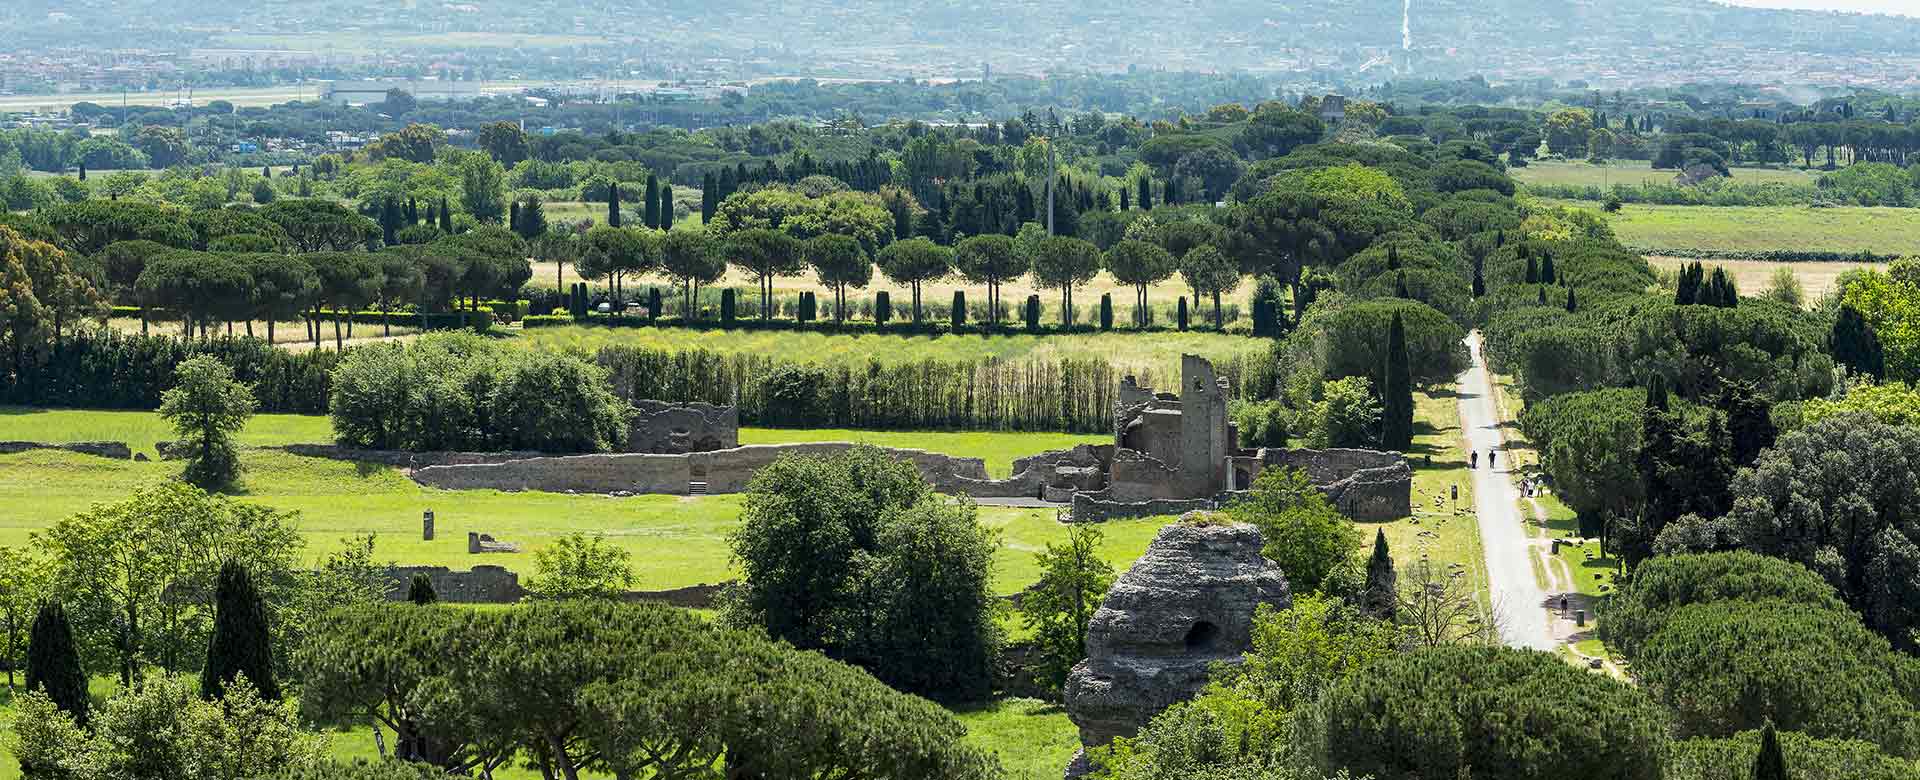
1901 7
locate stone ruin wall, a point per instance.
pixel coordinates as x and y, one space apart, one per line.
482 585
661 428
1363 484
103 449
724 471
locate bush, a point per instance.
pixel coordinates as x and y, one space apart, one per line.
1493 712
104 369
1260 423
1807 758
462 392
793 394
1667 583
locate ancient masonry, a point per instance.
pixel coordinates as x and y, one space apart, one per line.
1187 604
1171 453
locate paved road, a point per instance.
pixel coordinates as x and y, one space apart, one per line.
1517 597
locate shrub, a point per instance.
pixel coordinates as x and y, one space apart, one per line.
206 409
556 403
577 566
793 393
1730 666
104 369
1260 423
1451 711
1667 583
1807 758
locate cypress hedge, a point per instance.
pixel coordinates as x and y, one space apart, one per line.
102 369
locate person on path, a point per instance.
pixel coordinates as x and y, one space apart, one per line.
1474 459
1493 458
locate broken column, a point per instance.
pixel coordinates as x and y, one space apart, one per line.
1185 605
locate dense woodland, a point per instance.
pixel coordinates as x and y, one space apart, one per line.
1747 458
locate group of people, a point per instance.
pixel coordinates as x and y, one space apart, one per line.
1493 456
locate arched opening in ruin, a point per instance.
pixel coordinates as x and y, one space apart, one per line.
1202 637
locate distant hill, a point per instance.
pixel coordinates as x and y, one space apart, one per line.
1606 41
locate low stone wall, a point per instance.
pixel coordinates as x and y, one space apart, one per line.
723 471
104 449
399 458
1077 468
481 585
1099 508
702 596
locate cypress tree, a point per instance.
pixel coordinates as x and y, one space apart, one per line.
413 211
1547 274
1855 345
1769 763
1543 295
446 218
1126 199
83 171
652 214
420 590
1499 238
1400 286
882 307
1180 314
959 313
240 642
1533 272
1479 280
1146 193
653 304
1393 258
666 207
613 204
389 221
709 200
1106 311
1397 391
1382 596
1171 192
1572 306
53 663
513 217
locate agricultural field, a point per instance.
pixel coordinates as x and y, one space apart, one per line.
1159 352
1756 276
1685 230
1632 172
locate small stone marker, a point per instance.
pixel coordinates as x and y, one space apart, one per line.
426 525
1580 617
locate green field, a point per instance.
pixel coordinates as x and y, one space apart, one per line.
1631 172
1158 352
1685 230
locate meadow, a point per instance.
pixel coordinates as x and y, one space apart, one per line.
1686 231
675 541
1158 352
1631 172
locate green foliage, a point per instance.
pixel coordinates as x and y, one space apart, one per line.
578 566
1442 712
1260 423
1589 443
1666 583
241 647
834 550
1073 582
156 555
162 728
1734 665
1804 757
1347 416
1894 403
592 687
106 369
458 391
1357 339
420 591
53 664
207 407
1396 432
1314 543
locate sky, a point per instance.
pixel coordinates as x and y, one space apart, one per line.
1906 7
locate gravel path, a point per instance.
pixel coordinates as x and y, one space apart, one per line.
1519 603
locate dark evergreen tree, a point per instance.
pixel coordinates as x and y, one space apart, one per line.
413 211
1400 286
533 218
1572 305
666 206
959 313
613 204
1172 194
1393 259
1381 599
53 663
1543 295
446 218
241 644
420 590
1855 345
83 171
1769 763
652 205
1533 272
1547 273
1479 279
1750 427
1180 315
1126 199
513 217
1396 419
1106 311
709 196
1146 193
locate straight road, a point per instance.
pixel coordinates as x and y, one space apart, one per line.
1520 606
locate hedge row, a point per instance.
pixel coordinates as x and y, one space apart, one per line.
103 369
929 327
1769 255
491 310
991 394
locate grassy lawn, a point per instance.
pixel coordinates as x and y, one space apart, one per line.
998 448
1582 174
1682 230
1159 352
1034 739
1440 529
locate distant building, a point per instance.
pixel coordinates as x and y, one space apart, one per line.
361 93
1333 109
